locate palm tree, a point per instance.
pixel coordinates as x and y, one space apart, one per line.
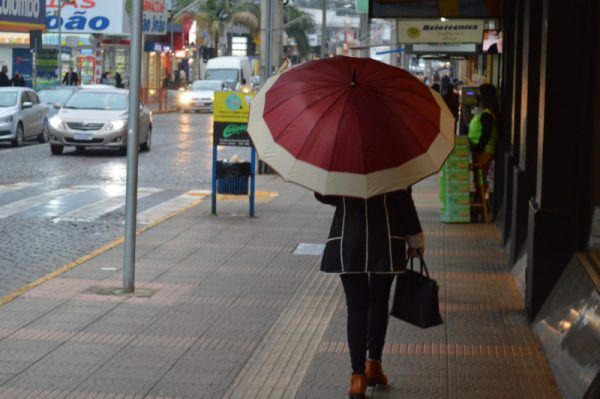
216 16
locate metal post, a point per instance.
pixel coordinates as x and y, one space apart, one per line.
324 29
213 196
252 180
269 42
132 146
60 41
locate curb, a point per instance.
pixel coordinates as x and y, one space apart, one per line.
85 258
162 112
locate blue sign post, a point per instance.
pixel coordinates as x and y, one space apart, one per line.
231 112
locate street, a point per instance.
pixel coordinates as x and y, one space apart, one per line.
55 209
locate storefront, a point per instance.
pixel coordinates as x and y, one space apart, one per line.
14 47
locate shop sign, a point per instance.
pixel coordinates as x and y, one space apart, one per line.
22 15
86 16
437 31
231 112
155 17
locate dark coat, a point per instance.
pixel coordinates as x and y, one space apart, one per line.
71 79
370 235
4 80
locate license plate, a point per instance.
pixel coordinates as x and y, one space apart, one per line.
83 136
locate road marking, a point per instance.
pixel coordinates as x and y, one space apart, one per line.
113 244
91 212
35 201
6 188
182 202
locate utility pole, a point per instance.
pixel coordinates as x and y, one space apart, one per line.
59 41
364 32
324 30
266 40
132 146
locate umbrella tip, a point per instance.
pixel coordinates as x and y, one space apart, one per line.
353 83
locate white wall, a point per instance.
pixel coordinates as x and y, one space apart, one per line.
6 58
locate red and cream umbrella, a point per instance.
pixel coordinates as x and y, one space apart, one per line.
351 126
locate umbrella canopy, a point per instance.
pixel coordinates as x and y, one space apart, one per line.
351 126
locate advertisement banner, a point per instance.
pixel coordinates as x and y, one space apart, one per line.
231 112
22 63
87 16
436 31
22 15
155 17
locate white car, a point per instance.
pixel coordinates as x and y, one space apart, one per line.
97 118
22 116
200 96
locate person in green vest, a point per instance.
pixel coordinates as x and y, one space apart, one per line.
483 129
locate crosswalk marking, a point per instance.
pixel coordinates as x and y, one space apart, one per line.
91 212
5 188
37 200
185 200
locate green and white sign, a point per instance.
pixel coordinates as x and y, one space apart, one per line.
437 31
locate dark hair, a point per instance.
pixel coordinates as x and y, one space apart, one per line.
488 98
449 88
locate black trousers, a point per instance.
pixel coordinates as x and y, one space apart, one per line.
367 300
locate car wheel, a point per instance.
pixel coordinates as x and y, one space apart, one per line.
19 138
43 136
56 149
146 146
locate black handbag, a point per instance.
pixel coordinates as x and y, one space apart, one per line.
416 297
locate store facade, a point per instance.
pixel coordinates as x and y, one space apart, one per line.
15 24
547 178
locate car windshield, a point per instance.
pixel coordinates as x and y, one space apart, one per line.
55 96
98 100
230 75
8 98
207 85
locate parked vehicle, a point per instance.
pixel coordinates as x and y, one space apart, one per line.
230 70
97 118
200 96
56 98
22 116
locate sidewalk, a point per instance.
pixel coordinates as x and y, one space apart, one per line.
223 309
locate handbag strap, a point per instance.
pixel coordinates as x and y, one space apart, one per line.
422 265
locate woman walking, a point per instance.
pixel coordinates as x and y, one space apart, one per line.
367 247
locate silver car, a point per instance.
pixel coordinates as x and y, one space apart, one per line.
22 116
200 96
97 118
55 98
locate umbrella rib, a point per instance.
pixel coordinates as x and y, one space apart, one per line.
337 135
284 130
416 110
312 130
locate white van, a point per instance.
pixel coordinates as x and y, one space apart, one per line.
230 70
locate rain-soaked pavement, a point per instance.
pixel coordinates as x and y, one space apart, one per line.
55 209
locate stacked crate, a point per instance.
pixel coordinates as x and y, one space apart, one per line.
455 185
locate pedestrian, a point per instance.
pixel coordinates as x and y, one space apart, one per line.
367 247
483 129
17 80
104 78
452 100
4 79
436 87
119 81
444 83
71 78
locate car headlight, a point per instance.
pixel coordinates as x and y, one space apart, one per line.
116 125
185 98
56 122
8 118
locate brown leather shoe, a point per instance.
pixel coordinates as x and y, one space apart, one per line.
358 386
375 374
